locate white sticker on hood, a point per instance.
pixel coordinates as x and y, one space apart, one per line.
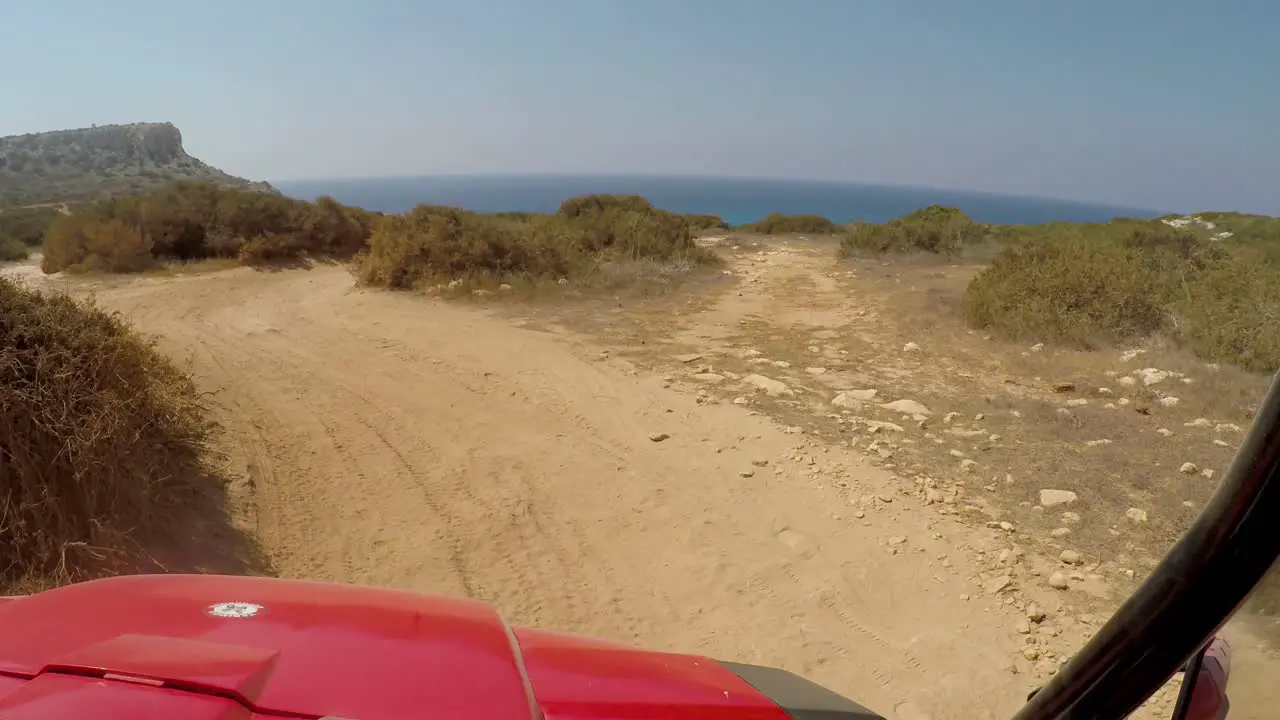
235 609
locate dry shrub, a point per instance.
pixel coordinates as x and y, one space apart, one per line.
100 436
197 221
434 244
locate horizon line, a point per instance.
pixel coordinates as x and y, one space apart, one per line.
743 178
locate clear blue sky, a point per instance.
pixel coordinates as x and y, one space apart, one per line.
1158 103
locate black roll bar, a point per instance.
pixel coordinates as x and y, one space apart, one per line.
1189 596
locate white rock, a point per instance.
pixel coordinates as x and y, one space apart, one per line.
1126 380
816 370
781 364
907 407
712 378
1037 347
1070 518
911 347
1051 498
771 387
1058 581
1188 468
1070 557
1165 432
1077 402
846 401
968 465
1207 473
1152 376
1137 515
999 584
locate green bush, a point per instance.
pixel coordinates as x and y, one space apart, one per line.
11 250
1090 285
698 222
780 224
935 229
26 225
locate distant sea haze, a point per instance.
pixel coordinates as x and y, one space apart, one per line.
737 201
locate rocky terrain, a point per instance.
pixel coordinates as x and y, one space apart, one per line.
801 462
89 163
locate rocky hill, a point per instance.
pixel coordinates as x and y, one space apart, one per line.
89 163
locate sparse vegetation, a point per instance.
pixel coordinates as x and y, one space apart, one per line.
935 229
781 224
100 438
433 244
195 221
93 163
1091 285
11 250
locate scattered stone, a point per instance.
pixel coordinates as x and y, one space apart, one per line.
816 370
760 462
999 585
1064 387
1227 427
1165 432
691 357
781 364
1031 652
968 465
746 473
1199 423
1207 473
1006 526
1189 468
907 407
1126 380
1168 401
1037 347
949 418
771 387
911 347
1022 627
1096 443
1077 402
1071 557
859 514
1052 498
504 287
658 437
877 425
741 401
1060 532
1035 614
1137 515
897 540
1221 443
708 377
1058 581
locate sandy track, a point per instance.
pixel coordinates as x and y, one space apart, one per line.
391 441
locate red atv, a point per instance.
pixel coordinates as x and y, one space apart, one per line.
205 647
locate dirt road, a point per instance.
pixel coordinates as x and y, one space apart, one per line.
391 440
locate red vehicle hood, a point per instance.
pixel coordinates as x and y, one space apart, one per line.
237 647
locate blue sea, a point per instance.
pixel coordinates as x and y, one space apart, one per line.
738 201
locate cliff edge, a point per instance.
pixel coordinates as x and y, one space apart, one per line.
90 163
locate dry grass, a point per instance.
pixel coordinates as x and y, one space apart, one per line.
102 442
